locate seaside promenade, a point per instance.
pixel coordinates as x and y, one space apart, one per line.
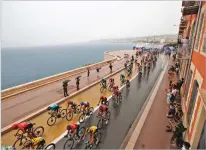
31 101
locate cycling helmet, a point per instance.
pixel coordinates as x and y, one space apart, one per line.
49 108
69 102
82 103
115 86
14 126
101 97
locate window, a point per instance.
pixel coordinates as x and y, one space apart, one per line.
192 101
204 43
199 31
202 141
188 82
192 35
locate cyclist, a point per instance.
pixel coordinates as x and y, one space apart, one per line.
54 109
73 104
127 83
111 82
104 82
91 131
38 141
25 127
122 77
85 106
116 90
102 100
74 128
103 109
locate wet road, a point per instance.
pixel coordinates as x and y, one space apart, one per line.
122 117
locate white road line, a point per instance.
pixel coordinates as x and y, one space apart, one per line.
95 109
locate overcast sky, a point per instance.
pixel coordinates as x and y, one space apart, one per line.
55 23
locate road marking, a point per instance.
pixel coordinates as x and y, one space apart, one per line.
95 109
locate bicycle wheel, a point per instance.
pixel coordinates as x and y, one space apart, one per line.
69 115
108 115
98 137
39 131
50 146
91 109
101 89
100 123
63 113
82 131
120 98
115 103
81 118
107 103
26 145
68 144
18 143
51 121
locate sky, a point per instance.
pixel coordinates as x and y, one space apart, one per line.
40 23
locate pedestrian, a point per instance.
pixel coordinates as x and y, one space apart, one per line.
88 72
65 84
110 66
77 82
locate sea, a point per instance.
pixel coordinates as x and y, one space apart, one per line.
22 65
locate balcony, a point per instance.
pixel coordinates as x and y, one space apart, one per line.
190 8
188 3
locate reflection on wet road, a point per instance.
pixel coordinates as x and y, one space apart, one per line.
123 116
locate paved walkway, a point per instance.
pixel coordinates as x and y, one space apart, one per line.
90 95
153 134
22 105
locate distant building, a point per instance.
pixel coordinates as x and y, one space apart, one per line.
193 69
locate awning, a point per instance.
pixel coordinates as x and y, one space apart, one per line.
190 10
203 96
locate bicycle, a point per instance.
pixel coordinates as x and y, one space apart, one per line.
85 113
103 88
122 81
103 119
72 111
116 100
72 137
110 87
55 115
97 139
127 84
28 144
35 132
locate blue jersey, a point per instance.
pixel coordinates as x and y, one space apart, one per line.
54 107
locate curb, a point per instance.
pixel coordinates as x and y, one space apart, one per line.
135 130
33 115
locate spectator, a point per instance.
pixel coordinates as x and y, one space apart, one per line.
65 84
185 43
170 117
77 82
110 66
88 72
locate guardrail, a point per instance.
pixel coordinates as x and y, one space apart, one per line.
45 81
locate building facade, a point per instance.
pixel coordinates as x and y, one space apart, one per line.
193 69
